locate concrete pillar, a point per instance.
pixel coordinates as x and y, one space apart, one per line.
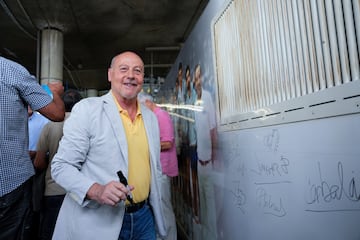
52 47
91 93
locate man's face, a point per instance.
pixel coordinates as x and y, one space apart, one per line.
198 86
188 78
126 75
197 81
148 103
180 75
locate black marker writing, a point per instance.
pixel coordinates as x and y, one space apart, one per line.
324 192
269 206
239 196
274 168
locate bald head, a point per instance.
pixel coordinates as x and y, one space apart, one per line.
127 54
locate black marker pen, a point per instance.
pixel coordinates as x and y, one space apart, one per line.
123 180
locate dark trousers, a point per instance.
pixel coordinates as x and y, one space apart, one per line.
16 213
49 214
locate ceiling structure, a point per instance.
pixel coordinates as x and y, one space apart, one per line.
96 30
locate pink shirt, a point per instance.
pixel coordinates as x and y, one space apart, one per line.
168 157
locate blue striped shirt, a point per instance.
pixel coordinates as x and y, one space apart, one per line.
17 90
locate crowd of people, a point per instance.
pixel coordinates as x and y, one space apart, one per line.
83 144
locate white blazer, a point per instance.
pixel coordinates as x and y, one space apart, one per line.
93 149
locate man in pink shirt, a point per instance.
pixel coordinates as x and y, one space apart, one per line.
168 159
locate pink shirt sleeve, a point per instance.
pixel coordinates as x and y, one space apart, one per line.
168 158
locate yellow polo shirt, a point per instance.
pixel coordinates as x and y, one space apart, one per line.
138 153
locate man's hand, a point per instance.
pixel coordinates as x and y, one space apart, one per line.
55 111
110 194
56 88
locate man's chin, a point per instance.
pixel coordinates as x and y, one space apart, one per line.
130 96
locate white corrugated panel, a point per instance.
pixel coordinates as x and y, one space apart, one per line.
273 52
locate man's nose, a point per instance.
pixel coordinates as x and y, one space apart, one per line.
131 74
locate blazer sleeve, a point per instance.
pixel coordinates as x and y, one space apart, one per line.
73 148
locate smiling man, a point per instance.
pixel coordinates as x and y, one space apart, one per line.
102 136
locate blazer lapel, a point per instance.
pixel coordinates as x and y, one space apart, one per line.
148 125
115 121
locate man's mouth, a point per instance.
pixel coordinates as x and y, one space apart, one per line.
131 84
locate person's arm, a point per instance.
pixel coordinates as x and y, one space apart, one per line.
165 145
166 130
32 154
55 111
41 158
40 161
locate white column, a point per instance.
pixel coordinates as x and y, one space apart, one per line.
51 56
